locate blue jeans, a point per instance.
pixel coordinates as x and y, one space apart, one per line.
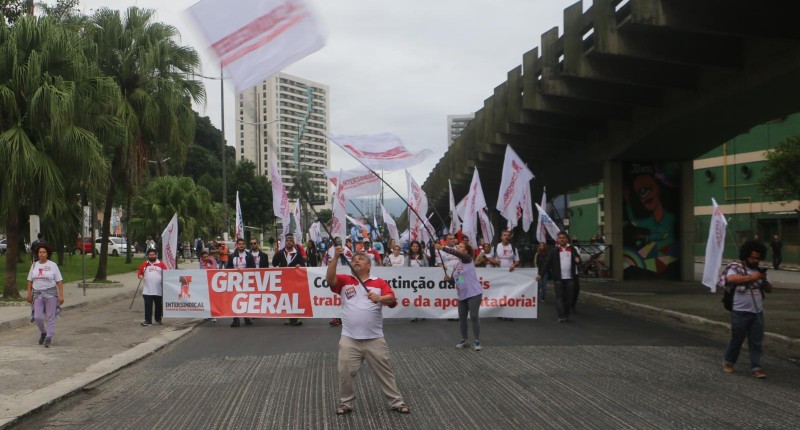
750 325
543 288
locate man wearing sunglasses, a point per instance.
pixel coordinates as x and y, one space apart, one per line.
259 257
240 259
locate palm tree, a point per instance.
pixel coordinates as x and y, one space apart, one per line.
151 70
44 78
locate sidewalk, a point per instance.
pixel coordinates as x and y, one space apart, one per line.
99 335
96 336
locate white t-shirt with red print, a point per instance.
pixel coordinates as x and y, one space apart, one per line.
361 318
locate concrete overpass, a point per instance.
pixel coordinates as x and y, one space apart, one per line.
642 80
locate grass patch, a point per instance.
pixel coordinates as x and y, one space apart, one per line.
72 269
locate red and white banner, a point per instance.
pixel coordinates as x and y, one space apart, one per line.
417 201
379 151
280 199
304 293
355 182
169 243
338 215
254 39
714 247
515 177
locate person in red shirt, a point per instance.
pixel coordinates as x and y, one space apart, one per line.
151 272
363 299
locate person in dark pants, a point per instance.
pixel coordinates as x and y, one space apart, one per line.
240 258
562 267
151 272
748 283
289 256
777 252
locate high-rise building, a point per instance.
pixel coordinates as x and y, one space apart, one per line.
283 119
455 125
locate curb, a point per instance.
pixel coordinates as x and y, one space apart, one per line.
787 341
35 401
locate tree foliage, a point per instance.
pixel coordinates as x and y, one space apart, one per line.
781 176
255 194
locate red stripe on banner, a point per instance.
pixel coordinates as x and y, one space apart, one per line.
254 28
259 43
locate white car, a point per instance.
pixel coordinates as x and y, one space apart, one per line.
4 246
116 246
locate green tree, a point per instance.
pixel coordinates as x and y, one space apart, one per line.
781 176
255 194
45 150
165 196
151 70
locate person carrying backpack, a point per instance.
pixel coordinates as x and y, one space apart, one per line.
745 284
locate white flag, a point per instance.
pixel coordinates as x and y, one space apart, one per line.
427 230
516 176
418 201
280 199
527 208
338 214
714 248
380 151
298 228
375 233
169 243
541 232
315 232
355 182
239 219
254 39
455 222
547 223
390 224
475 202
487 229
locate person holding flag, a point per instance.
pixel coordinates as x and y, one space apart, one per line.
469 290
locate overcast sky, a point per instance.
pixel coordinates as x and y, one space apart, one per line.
392 66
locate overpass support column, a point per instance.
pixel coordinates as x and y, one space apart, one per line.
612 210
687 224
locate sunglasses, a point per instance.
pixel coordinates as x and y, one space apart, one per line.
253 243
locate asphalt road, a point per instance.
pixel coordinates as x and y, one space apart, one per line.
601 370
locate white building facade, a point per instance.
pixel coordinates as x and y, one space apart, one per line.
280 116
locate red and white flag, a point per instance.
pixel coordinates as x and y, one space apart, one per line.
417 201
547 223
390 224
315 232
280 199
355 182
379 151
527 208
254 39
169 243
338 215
487 229
455 221
298 228
239 219
515 178
714 247
475 202
541 231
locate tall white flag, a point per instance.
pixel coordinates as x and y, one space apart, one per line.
417 201
239 220
169 243
380 151
547 223
390 224
487 229
714 247
515 178
475 202
315 232
455 221
541 232
257 38
527 208
280 199
338 215
355 182
298 228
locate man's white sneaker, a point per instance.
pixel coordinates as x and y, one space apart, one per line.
462 344
477 345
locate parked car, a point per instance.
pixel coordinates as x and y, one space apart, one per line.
116 246
83 246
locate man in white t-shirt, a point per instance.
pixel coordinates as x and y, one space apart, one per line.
363 299
152 272
504 254
450 261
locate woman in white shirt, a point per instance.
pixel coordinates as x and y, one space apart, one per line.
46 293
395 259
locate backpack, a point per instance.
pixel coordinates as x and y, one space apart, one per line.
729 291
